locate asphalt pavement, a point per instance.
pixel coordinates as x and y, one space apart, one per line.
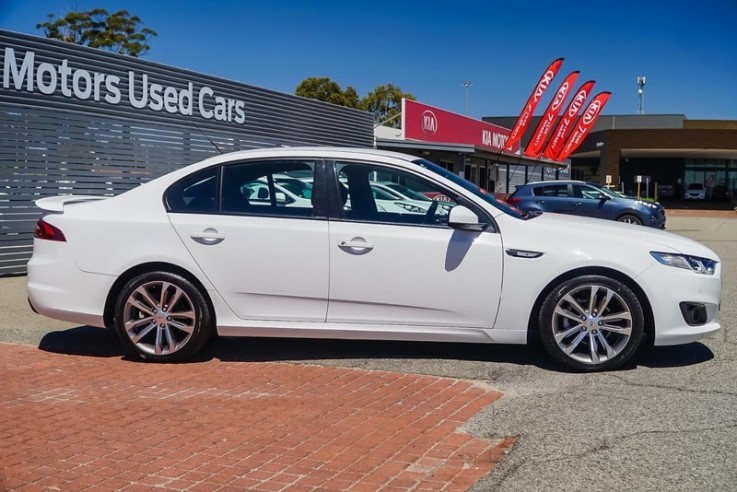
665 422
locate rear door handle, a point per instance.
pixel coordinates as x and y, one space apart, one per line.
208 236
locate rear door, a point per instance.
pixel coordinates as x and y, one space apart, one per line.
551 198
267 258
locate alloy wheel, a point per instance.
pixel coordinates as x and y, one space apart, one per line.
592 324
159 318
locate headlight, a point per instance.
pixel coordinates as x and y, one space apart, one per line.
696 264
647 204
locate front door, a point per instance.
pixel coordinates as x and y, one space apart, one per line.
401 266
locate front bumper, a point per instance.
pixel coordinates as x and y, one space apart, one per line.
667 288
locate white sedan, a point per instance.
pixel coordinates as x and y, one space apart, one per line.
186 256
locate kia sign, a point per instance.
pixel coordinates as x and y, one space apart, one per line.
430 124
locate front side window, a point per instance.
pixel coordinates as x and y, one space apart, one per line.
586 192
366 196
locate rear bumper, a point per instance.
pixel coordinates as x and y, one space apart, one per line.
58 289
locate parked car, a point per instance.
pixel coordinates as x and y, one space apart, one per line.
187 256
720 193
695 191
666 192
588 199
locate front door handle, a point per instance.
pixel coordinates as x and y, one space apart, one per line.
208 236
357 245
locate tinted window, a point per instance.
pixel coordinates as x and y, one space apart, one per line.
269 187
365 201
196 193
551 190
586 192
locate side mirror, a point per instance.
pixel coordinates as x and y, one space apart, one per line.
463 219
604 197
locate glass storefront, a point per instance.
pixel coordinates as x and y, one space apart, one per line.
719 176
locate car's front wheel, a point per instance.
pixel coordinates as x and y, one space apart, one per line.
630 219
591 323
162 317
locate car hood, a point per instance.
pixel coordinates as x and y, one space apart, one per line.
589 231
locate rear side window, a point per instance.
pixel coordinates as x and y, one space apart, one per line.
560 190
279 187
196 193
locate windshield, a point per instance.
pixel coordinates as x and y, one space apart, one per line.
467 185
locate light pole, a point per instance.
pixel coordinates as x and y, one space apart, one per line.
467 85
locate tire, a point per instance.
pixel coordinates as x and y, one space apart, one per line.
152 329
630 219
591 323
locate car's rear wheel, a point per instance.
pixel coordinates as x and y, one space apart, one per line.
162 317
591 323
630 219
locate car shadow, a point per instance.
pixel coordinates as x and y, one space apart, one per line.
97 342
88 341
311 350
674 356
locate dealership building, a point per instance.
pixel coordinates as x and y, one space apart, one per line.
668 151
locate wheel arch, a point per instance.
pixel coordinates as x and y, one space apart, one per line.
631 212
532 327
133 272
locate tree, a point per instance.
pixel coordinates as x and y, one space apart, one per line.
385 101
96 28
324 89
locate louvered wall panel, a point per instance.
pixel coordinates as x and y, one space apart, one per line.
52 144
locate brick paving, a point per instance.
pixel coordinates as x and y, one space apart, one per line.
70 422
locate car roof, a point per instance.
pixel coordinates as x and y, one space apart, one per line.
308 151
557 181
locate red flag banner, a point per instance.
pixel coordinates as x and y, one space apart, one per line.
565 124
524 118
585 124
540 135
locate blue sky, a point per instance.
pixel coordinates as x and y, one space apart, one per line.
686 49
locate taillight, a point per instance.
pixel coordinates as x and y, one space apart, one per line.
44 230
513 200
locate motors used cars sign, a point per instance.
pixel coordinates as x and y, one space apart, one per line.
23 71
430 124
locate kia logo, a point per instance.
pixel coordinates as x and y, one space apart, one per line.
591 112
560 96
577 103
429 123
544 83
